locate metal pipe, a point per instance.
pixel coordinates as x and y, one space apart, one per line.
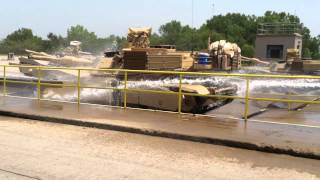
180 94
4 81
125 90
78 87
289 104
39 83
246 112
264 76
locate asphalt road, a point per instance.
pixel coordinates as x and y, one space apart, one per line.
38 150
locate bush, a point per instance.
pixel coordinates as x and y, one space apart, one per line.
306 54
248 50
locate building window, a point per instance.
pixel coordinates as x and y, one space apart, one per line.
275 51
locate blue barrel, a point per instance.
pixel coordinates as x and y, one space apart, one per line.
203 58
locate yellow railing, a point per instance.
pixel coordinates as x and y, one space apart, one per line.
180 93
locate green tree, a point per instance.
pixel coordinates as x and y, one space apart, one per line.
79 33
54 43
248 50
20 40
171 32
306 53
122 42
90 41
155 39
233 27
174 33
314 46
278 17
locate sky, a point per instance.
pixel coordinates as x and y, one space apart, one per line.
106 17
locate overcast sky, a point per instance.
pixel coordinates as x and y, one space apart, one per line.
107 17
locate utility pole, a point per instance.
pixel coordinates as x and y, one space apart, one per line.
192 24
211 32
213 6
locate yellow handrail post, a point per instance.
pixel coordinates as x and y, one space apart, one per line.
289 104
125 89
39 83
4 81
247 99
180 94
78 87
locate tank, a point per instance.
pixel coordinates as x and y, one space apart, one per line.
294 64
71 56
138 56
190 104
166 102
141 56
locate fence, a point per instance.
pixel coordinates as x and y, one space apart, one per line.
180 93
279 28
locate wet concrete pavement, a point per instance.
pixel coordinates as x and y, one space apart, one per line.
41 150
308 115
294 140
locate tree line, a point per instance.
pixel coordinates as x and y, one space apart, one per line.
24 38
233 27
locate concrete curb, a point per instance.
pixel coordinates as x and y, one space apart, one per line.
158 133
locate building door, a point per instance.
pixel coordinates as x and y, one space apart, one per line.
275 51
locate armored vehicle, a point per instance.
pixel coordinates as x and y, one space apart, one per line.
295 64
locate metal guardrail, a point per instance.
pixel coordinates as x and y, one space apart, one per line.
180 93
279 28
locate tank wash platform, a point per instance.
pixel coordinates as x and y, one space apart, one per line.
302 141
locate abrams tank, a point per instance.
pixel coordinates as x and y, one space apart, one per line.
139 56
221 56
71 56
35 59
294 64
136 99
190 104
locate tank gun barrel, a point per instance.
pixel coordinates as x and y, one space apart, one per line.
65 61
85 53
254 60
37 53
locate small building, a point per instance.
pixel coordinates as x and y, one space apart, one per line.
273 40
